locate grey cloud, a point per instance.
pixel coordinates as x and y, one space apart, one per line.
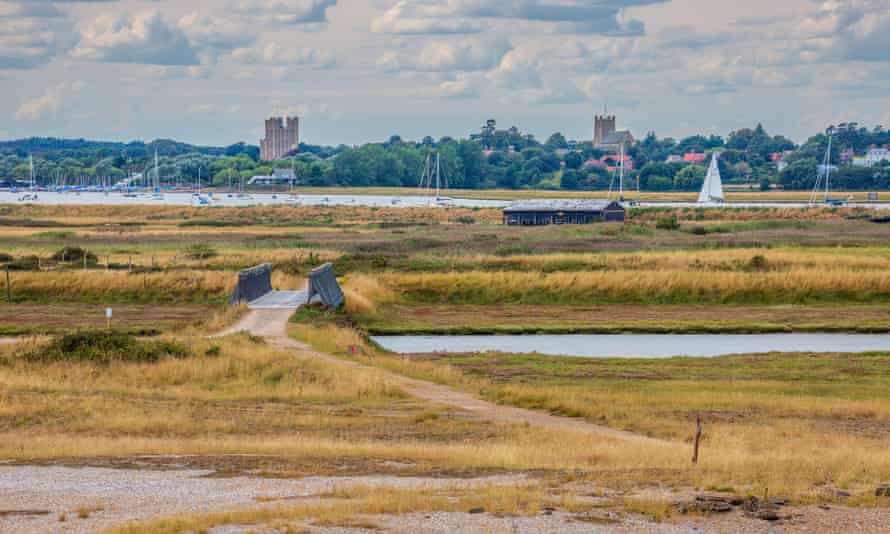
27 41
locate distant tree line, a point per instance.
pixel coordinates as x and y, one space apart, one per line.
507 159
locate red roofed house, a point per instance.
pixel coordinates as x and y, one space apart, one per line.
695 157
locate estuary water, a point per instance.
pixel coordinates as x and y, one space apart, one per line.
639 345
225 199
333 199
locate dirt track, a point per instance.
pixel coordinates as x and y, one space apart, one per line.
272 325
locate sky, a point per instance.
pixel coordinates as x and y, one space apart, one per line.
209 71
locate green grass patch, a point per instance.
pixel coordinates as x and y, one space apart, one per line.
103 347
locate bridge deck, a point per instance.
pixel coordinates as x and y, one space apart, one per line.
279 300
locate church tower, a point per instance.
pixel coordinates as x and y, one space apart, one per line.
603 126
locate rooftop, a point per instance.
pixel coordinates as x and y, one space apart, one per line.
560 205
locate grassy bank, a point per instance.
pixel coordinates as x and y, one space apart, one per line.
776 421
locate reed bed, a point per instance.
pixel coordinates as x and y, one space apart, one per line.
864 258
796 285
102 285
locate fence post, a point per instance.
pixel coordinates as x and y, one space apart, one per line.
697 438
130 265
84 260
8 287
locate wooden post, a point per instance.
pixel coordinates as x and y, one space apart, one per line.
84 260
130 265
8 287
107 259
697 438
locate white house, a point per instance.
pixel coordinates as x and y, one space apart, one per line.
876 155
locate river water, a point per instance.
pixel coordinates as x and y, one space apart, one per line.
639 345
259 199
269 199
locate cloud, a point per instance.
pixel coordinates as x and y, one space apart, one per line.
273 54
462 16
141 38
213 109
286 11
48 104
402 19
147 38
31 35
448 56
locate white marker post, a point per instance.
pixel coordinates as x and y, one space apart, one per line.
108 314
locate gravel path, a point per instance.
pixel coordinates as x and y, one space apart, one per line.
34 498
272 325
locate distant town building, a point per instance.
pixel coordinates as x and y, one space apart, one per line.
674 158
612 162
695 157
278 177
874 156
606 137
282 138
847 156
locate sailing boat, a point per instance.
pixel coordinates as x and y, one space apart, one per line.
427 180
826 174
712 189
31 196
157 195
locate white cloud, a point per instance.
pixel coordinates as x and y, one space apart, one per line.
401 18
286 11
274 54
148 38
141 38
448 56
49 103
462 16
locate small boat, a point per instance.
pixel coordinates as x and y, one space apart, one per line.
29 197
292 199
712 188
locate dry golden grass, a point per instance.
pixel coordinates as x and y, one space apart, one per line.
863 258
792 285
352 505
174 285
363 293
764 435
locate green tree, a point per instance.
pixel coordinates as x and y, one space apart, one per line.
690 178
557 140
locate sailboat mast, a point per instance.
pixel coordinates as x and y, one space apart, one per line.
157 174
31 160
437 175
827 168
621 173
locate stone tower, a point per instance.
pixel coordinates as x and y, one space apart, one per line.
603 126
282 138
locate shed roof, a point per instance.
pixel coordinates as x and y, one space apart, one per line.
562 205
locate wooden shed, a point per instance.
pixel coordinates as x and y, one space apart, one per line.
542 212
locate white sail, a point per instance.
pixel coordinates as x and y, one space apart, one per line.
712 189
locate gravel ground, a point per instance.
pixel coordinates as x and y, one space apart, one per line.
126 495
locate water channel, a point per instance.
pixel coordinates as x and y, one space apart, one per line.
639 345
